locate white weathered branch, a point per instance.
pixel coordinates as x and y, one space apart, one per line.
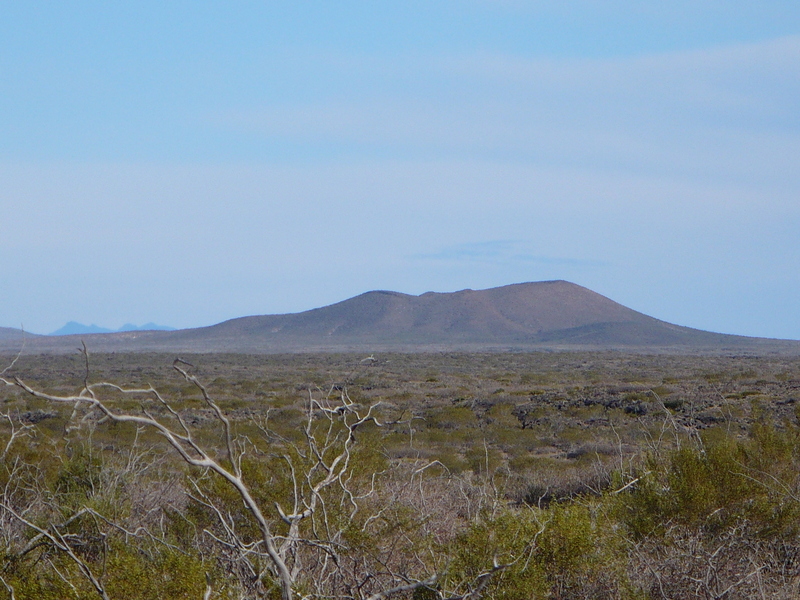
59 541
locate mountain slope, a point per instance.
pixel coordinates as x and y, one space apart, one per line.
525 316
511 313
544 313
11 334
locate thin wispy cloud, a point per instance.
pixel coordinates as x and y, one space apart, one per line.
503 252
725 112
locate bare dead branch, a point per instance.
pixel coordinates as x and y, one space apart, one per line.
59 541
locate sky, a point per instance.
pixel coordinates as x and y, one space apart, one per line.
188 162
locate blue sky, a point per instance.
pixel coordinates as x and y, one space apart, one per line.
189 162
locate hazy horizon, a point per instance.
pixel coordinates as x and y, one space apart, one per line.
76 328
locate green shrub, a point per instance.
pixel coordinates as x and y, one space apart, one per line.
171 575
720 484
507 540
567 551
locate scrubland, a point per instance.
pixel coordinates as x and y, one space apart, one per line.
425 476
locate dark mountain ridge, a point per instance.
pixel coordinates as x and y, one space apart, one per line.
555 315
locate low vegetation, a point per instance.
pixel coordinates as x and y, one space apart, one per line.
436 476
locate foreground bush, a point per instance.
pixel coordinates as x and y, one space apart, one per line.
719 517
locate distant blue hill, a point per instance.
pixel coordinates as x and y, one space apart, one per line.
74 328
145 327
